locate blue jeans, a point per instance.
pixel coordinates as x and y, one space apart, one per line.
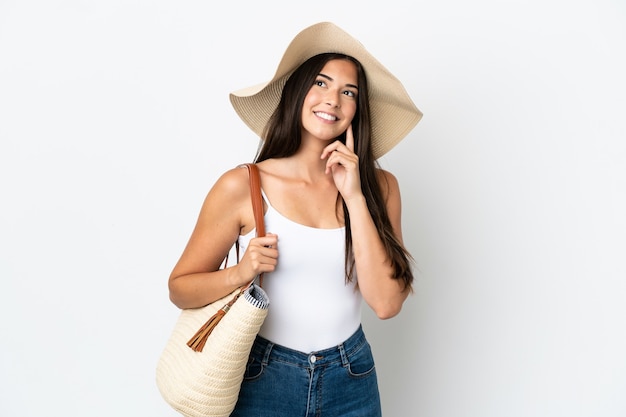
336 382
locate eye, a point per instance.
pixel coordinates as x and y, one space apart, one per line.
349 93
320 83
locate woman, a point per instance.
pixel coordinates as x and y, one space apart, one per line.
333 221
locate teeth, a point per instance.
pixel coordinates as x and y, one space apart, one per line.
326 116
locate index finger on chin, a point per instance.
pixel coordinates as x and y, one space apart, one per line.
350 138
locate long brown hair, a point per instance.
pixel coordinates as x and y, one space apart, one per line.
282 138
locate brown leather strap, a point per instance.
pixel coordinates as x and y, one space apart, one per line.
257 199
257 203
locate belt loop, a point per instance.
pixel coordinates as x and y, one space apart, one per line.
268 350
344 357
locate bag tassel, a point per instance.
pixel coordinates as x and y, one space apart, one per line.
197 342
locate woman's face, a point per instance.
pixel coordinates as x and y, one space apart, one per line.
330 104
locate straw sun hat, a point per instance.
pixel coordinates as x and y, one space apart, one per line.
393 113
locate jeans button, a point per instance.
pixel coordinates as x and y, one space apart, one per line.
312 358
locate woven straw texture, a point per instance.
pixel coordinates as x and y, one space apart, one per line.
207 383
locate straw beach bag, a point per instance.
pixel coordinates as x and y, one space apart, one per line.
201 368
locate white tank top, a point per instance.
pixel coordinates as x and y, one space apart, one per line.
311 306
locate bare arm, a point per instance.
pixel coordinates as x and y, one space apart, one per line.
196 280
384 294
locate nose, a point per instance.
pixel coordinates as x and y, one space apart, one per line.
332 98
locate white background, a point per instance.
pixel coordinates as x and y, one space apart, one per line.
115 122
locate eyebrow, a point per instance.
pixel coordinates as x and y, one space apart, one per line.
330 79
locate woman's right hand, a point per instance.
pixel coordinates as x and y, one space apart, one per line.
260 256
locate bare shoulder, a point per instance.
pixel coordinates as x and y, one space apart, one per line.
233 184
388 183
273 167
229 198
391 193
274 173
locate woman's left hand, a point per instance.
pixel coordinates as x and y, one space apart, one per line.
343 164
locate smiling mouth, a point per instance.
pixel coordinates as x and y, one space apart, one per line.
326 116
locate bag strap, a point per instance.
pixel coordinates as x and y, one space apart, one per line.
254 180
257 204
257 198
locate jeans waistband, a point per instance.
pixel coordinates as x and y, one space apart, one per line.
265 351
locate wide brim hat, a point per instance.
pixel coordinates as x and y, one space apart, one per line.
393 113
